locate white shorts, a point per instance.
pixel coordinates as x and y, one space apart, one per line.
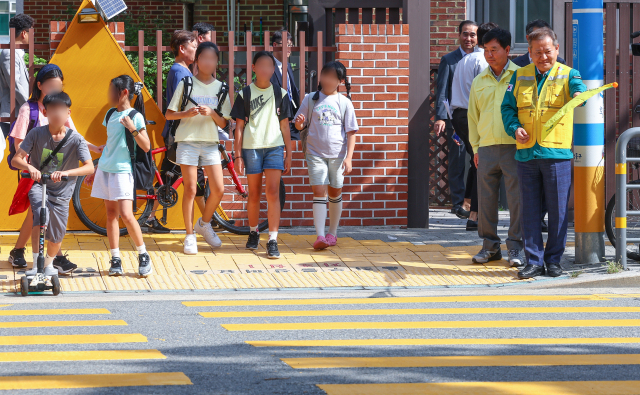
112 186
325 171
197 154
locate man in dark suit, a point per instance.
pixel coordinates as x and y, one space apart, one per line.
457 153
277 41
525 60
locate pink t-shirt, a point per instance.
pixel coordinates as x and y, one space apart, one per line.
22 121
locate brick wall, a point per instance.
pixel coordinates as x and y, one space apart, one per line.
445 18
377 59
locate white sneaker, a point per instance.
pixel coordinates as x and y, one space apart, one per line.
190 245
48 271
205 230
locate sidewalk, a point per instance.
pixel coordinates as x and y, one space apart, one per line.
371 257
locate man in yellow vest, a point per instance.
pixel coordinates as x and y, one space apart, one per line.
494 150
535 93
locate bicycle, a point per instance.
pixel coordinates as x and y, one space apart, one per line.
231 214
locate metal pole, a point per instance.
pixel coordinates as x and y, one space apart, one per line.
621 194
589 133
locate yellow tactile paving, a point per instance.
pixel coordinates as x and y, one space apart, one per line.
352 263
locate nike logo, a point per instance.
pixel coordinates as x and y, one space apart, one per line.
258 104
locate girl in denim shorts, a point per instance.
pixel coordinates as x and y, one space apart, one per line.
262 138
197 137
329 143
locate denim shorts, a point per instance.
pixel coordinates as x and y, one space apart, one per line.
197 154
258 160
325 171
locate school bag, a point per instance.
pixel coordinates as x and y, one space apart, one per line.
34 121
304 133
20 202
141 162
246 97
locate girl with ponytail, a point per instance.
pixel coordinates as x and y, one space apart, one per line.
113 180
328 126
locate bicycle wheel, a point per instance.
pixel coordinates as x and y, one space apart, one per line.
92 212
231 215
633 221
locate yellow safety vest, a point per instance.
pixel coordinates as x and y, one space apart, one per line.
534 110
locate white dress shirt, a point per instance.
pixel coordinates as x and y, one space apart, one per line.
468 68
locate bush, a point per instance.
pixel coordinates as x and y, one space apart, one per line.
150 69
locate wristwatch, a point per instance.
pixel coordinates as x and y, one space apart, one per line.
135 133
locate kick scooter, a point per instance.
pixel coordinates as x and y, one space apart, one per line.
40 282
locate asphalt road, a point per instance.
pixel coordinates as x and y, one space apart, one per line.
588 338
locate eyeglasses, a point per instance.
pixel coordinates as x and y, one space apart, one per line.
290 45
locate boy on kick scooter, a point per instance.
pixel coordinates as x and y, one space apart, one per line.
54 152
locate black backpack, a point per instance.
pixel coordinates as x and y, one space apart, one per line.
246 96
141 162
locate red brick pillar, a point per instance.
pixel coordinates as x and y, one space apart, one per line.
57 29
377 61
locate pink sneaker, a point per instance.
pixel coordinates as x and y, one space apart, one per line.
320 244
331 240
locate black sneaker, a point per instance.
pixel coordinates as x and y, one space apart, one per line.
116 267
16 258
64 265
254 240
460 212
153 226
144 268
272 249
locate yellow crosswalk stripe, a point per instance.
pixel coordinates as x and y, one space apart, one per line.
463 361
100 355
72 339
38 324
475 310
289 326
54 312
488 388
435 299
436 342
93 381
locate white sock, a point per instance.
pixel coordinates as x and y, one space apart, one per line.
115 253
48 260
255 229
319 214
35 259
335 212
273 235
142 249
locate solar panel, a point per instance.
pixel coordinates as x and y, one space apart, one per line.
110 8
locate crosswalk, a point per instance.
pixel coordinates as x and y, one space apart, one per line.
353 339
39 352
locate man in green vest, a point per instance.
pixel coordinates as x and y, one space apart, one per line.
535 93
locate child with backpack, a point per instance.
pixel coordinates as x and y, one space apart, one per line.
263 145
31 115
54 149
114 181
328 125
197 136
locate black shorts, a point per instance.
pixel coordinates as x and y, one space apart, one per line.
169 167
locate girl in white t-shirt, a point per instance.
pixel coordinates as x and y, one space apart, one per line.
48 80
197 138
330 142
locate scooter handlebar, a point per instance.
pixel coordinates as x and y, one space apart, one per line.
44 176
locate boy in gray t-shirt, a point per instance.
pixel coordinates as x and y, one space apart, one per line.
39 144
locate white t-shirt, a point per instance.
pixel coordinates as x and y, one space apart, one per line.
200 128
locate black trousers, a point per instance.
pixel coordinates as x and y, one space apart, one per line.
461 126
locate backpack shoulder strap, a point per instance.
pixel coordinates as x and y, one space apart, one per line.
56 150
34 115
246 97
277 95
343 110
186 91
310 104
109 114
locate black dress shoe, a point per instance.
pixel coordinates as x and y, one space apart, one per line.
554 269
531 271
545 227
472 225
460 212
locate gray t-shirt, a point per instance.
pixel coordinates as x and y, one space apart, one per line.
39 144
327 136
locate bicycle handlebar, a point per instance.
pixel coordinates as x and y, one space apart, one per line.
43 176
